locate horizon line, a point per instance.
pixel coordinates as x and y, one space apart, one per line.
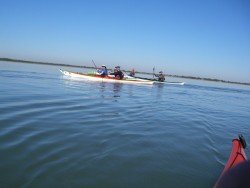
140 72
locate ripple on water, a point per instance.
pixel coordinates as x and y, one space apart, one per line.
61 132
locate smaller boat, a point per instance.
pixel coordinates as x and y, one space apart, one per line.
109 78
163 82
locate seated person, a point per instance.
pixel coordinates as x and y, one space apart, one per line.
161 77
132 73
117 73
102 71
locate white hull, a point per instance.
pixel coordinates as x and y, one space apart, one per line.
158 82
100 79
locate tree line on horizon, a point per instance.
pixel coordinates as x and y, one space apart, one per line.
82 66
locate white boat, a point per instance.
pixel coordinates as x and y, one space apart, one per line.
158 82
109 78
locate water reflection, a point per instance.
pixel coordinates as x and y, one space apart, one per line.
159 90
73 83
112 90
117 89
105 90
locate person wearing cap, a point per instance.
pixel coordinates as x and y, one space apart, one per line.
102 71
118 73
161 77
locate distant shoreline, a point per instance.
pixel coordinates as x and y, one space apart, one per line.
79 66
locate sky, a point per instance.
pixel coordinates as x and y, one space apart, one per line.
193 38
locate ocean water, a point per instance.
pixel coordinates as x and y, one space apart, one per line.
62 132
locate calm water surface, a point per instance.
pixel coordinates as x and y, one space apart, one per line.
61 132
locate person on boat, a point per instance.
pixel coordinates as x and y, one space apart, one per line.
132 73
161 77
102 71
118 73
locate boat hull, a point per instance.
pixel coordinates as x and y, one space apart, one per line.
164 82
105 79
237 155
236 158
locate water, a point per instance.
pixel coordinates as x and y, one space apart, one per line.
59 132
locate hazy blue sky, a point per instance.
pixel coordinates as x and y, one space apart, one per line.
200 38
